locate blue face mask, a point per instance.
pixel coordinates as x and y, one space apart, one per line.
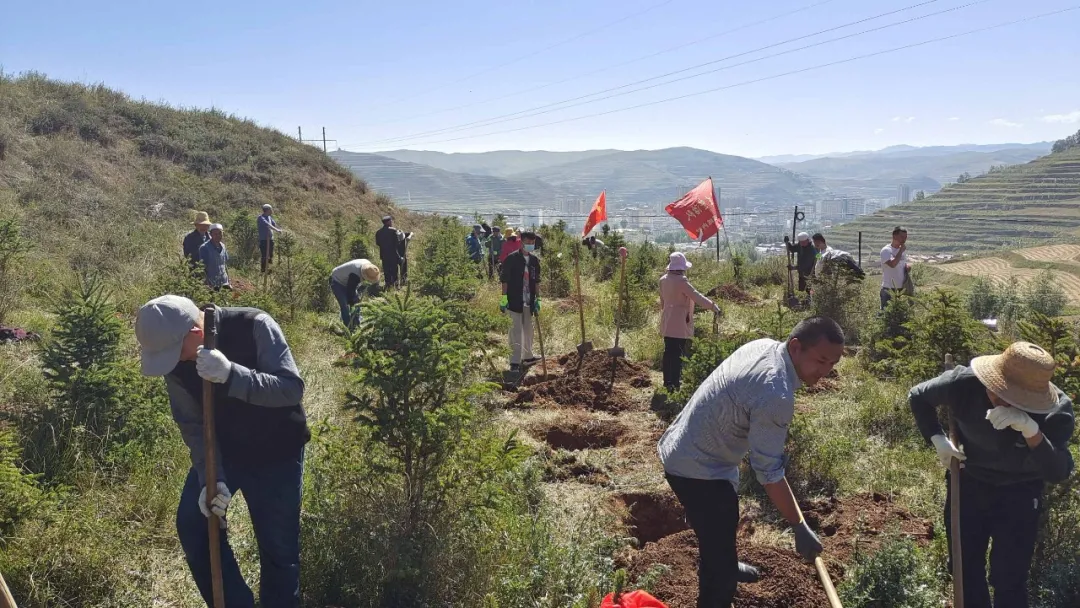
529 246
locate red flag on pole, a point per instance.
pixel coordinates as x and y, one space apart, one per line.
598 213
698 212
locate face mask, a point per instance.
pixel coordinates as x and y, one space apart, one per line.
529 247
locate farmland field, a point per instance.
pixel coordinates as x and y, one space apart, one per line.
1001 270
1052 253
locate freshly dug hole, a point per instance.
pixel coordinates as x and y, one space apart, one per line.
652 516
581 433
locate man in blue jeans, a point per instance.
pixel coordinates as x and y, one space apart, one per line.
261 433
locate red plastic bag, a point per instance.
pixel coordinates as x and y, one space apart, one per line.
634 599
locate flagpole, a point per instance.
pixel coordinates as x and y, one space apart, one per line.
719 195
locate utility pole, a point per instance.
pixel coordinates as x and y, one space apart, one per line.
324 140
299 134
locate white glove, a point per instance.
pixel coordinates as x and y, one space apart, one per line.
219 506
1002 417
213 365
946 451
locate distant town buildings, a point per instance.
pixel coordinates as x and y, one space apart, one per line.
903 194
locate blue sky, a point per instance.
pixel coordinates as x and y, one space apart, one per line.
375 74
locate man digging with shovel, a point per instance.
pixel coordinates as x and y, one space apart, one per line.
261 433
746 404
1013 429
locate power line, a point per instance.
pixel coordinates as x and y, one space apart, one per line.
534 111
613 66
528 55
763 79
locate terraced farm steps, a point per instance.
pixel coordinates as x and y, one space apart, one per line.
1020 206
1026 264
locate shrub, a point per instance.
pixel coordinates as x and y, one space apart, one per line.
1044 296
20 495
290 282
242 235
13 249
897 575
837 294
983 300
445 270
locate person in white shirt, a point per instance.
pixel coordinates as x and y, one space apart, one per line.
894 266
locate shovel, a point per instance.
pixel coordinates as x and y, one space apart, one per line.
540 334
617 351
6 601
954 510
584 346
823 576
210 447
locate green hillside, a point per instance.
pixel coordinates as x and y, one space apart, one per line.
1019 206
104 182
500 163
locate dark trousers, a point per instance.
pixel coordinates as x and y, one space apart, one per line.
803 278
887 295
712 510
341 294
273 495
1008 515
266 253
404 270
390 272
674 349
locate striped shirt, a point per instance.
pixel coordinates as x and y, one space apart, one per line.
746 404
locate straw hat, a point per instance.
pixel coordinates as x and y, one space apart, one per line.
370 272
202 218
1021 376
678 261
510 234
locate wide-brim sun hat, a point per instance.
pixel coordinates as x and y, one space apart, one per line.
1021 376
370 272
678 261
202 218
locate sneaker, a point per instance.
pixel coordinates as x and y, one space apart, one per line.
530 361
515 368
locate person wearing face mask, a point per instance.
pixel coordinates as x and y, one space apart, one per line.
745 405
521 297
1013 429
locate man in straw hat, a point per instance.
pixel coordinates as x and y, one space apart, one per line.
1013 427
195 239
261 433
744 406
345 285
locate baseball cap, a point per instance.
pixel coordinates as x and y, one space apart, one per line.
216 227
803 236
160 327
267 206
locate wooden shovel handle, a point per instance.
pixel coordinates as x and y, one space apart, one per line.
826 581
6 600
210 449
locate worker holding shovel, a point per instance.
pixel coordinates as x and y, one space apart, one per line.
745 405
677 299
521 296
256 392
1013 428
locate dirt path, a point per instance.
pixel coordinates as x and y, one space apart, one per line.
601 436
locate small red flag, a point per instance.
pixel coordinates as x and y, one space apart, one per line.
634 599
598 213
698 212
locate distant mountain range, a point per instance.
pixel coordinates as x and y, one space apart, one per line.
515 179
528 180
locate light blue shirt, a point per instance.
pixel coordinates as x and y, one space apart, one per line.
265 222
746 404
216 260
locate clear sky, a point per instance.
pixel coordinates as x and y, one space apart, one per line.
370 72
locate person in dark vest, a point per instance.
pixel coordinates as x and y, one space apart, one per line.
1013 430
261 433
805 258
195 239
386 239
521 296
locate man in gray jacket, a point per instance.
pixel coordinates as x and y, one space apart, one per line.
746 404
215 259
261 433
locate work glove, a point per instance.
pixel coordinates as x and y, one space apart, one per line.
1018 420
807 544
503 303
536 305
219 506
213 365
946 451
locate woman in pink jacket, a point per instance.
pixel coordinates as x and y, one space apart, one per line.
510 245
677 299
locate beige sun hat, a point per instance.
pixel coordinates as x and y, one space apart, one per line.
370 272
1021 376
202 218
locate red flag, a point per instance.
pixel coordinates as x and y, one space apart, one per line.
698 212
634 599
598 213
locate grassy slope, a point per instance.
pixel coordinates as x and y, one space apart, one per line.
100 179
1021 206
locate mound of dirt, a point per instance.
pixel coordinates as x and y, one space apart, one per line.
581 433
577 391
598 364
786 582
652 516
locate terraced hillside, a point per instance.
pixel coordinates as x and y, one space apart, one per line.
1019 206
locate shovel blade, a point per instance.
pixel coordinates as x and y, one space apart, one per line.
584 347
617 352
